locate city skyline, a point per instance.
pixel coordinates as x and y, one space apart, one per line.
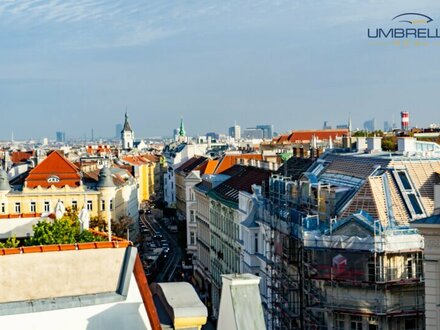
73 66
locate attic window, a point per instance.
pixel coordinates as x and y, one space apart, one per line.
404 179
53 179
415 204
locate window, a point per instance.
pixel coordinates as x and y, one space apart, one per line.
3 208
192 240
102 205
415 204
339 322
46 207
17 208
371 272
74 205
111 204
33 207
410 324
356 322
192 216
89 205
256 242
404 179
409 268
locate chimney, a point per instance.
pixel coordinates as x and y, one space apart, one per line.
295 152
437 195
361 144
374 144
346 142
406 144
240 303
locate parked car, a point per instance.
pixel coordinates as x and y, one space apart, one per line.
158 237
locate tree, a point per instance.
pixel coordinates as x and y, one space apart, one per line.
61 231
120 226
389 144
98 223
11 242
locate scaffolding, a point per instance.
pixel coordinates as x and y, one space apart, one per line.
284 258
317 279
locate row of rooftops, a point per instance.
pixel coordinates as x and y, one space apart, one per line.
57 171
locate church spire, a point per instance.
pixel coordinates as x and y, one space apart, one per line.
127 126
182 132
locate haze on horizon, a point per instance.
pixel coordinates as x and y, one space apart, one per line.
76 65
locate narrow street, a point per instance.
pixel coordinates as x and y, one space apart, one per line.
167 272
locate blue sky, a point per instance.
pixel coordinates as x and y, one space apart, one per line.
76 65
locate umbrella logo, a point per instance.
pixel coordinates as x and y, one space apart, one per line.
413 18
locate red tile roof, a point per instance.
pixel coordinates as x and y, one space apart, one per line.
54 170
135 160
306 135
152 158
20 156
227 161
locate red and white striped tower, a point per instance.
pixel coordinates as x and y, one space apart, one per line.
404 115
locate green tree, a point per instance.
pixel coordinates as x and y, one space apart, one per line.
61 231
11 242
389 144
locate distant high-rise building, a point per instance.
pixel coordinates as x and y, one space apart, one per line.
267 131
118 130
342 126
370 125
176 134
387 126
235 132
60 136
252 133
326 125
213 135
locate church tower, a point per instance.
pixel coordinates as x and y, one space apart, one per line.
182 133
127 135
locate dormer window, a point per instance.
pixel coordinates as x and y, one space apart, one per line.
53 179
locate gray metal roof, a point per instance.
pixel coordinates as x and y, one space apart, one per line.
4 181
105 178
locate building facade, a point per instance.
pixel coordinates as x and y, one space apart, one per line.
106 193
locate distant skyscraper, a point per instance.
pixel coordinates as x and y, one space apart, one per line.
60 137
267 131
370 125
213 135
387 126
326 125
235 132
118 129
253 133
